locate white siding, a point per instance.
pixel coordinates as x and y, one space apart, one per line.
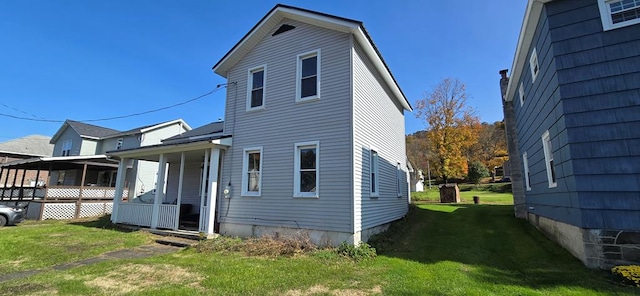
155 136
378 122
284 122
88 147
190 185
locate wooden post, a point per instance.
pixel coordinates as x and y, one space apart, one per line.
162 165
79 201
1 174
203 191
180 184
21 191
36 184
117 197
13 185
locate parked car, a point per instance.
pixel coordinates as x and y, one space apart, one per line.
11 215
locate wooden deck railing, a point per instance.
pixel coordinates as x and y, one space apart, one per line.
27 193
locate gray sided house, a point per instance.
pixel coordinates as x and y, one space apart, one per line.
572 109
313 139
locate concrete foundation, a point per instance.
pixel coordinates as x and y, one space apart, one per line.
596 248
317 237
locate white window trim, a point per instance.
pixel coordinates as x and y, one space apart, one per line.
605 17
398 180
300 57
525 163
375 170
64 147
296 170
245 168
548 157
250 87
119 143
521 92
534 60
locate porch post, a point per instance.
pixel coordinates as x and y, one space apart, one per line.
213 189
79 201
21 192
33 196
1 174
180 182
162 165
203 191
117 197
13 185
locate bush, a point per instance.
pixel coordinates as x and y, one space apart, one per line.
477 171
268 245
628 274
359 253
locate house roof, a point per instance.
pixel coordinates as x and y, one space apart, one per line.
85 130
33 145
211 129
147 128
528 29
63 163
280 11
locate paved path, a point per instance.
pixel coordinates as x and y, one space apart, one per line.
134 253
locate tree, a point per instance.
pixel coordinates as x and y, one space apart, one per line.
477 171
451 127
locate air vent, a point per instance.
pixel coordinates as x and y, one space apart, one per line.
283 29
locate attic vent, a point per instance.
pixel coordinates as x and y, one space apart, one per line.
283 29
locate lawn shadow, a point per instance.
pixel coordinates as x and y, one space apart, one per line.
102 222
497 247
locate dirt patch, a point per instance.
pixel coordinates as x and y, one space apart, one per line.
322 290
132 278
29 289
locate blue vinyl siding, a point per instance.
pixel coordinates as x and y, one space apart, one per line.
588 97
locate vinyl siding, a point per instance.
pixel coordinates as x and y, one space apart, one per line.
130 141
68 134
283 123
190 185
378 122
89 147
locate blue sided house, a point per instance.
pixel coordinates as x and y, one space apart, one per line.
572 110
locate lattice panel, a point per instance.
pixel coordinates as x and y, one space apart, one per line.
93 193
92 209
63 192
58 211
108 207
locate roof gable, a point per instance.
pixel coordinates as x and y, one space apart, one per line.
84 130
268 23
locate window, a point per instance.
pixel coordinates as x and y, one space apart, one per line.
548 157
308 76
527 178
119 143
252 171
521 91
306 165
619 13
256 88
533 64
398 180
66 147
373 169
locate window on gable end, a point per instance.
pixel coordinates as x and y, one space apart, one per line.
119 143
521 92
66 147
256 88
533 65
308 76
548 157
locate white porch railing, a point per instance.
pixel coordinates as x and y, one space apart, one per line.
167 216
204 217
135 214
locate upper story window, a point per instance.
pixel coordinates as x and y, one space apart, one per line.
548 157
373 172
533 65
619 13
525 164
306 162
308 76
66 147
256 87
251 171
119 143
521 92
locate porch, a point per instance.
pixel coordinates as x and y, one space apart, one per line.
186 186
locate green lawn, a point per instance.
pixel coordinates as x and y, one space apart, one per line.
461 249
486 197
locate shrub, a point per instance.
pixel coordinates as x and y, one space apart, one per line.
357 253
628 274
268 245
477 171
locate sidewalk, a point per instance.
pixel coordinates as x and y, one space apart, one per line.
134 253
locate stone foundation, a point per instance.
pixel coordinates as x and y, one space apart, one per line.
318 237
596 248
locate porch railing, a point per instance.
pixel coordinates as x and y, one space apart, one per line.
59 193
167 216
135 214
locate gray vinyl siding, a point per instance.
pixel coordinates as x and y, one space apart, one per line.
378 122
156 136
283 123
68 134
588 96
130 141
190 185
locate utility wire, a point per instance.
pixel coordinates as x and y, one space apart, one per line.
23 112
116 117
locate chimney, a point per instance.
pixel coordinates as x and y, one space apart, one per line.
504 83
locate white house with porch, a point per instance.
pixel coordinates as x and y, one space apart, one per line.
313 140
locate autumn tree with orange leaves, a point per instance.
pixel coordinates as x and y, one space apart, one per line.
452 128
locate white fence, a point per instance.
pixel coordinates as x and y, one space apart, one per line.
43 210
60 193
135 214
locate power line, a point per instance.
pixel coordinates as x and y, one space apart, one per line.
114 117
23 112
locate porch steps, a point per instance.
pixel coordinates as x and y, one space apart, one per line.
181 239
177 241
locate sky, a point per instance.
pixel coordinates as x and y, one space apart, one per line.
88 60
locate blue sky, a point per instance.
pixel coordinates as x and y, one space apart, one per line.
81 60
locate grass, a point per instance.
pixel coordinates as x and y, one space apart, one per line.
37 244
466 196
438 249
